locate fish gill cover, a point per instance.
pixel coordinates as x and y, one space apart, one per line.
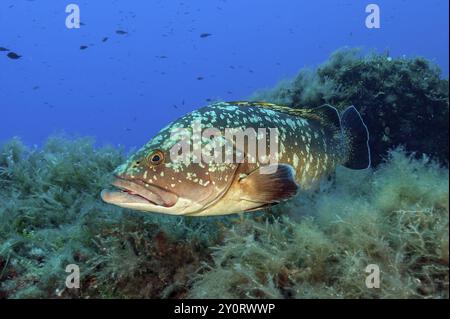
316 246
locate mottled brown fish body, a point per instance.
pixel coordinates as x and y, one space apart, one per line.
310 143
310 147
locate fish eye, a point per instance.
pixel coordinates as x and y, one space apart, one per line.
156 158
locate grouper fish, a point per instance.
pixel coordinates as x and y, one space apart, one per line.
253 155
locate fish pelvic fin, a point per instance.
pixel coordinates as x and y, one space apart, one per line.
356 138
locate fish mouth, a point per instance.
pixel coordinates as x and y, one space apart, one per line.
129 192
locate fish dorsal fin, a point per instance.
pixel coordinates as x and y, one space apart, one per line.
326 114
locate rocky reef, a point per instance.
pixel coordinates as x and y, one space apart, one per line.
404 101
318 245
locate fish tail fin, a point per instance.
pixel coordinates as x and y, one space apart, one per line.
356 137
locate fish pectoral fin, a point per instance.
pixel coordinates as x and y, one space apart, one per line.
269 184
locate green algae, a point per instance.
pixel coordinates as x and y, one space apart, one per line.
397 219
316 246
403 100
52 216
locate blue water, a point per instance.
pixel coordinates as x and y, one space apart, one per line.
124 90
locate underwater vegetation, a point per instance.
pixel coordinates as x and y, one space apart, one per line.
395 217
51 216
403 100
315 246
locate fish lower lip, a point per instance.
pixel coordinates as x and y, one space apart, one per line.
123 197
131 193
153 194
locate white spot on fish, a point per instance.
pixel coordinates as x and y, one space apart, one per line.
295 160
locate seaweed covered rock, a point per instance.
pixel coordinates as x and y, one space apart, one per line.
404 101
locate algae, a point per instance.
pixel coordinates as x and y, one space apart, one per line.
316 246
403 100
395 217
51 216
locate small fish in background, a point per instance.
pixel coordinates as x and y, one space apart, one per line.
312 142
205 35
105 39
121 32
13 56
2 49
83 47
50 106
200 78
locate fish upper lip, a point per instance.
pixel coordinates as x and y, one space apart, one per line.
152 193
